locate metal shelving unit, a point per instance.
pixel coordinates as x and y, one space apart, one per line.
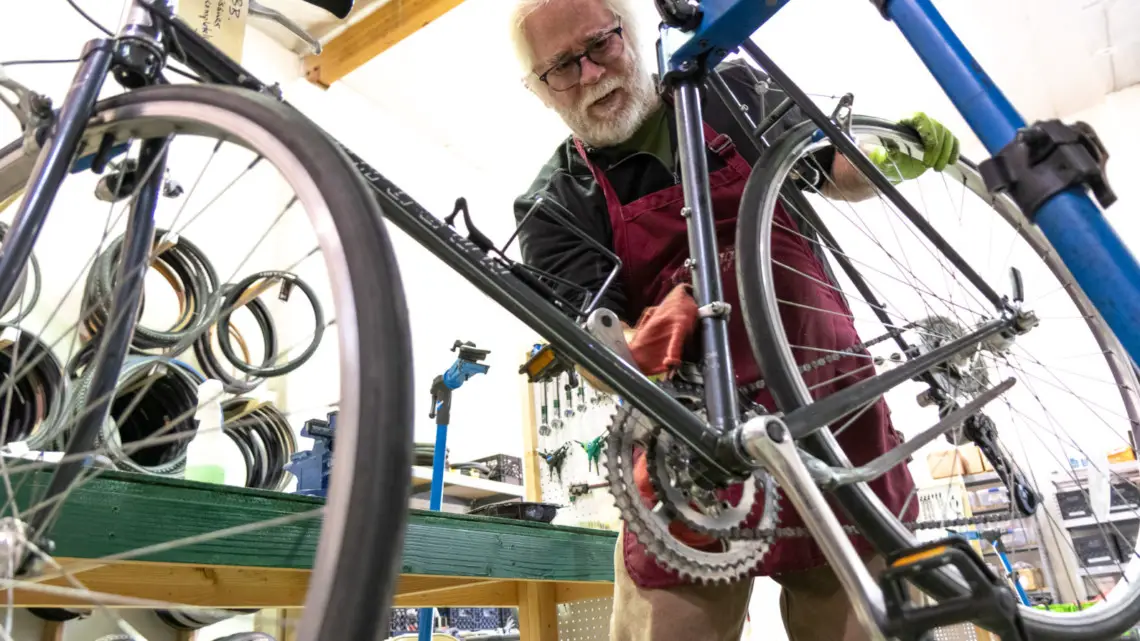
1123 512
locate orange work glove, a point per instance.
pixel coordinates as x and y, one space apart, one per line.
659 338
662 331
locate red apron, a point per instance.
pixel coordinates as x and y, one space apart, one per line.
651 237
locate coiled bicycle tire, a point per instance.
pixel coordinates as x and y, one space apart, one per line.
186 268
247 420
214 368
173 393
38 409
267 370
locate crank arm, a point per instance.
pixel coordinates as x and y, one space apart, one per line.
829 478
768 443
605 326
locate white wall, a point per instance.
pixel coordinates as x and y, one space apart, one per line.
443 307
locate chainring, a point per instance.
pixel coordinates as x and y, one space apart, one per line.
741 551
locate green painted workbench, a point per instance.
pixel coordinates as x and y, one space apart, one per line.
448 560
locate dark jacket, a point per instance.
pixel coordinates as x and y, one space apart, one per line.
548 245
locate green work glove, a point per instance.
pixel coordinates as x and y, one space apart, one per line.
940 150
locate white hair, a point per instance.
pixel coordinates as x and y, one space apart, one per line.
622 9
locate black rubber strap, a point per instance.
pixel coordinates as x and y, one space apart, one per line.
1045 159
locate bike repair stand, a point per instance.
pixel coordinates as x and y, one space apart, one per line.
464 367
994 539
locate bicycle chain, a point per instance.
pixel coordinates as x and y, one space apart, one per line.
913 526
854 350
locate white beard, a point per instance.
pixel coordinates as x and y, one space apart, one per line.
642 101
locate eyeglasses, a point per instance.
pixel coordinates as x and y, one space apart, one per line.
604 49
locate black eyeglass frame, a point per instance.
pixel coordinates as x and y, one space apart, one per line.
577 59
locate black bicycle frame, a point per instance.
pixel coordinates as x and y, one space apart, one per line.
712 443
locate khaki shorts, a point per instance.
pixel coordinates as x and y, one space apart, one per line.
813 606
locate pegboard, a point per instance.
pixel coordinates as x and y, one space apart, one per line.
960 632
587 620
588 417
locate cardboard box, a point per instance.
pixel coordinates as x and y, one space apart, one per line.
1122 455
1031 579
972 457
945 464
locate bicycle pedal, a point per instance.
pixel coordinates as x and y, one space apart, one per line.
988 601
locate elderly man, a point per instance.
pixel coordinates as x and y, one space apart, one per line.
618 175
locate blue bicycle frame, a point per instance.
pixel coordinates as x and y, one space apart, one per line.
1074 224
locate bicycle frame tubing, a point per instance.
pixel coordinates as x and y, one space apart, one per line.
1075 226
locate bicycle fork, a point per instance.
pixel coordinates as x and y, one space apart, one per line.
57 157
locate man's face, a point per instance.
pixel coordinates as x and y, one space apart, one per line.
610 100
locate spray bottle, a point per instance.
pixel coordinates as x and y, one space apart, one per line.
210 455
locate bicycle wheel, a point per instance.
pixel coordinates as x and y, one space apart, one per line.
367 364
897 265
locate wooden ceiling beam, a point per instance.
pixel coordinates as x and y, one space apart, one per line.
372 35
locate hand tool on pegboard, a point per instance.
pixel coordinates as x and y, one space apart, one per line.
555 459
593 449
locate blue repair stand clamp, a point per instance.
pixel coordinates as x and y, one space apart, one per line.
312 467
993 537
464 367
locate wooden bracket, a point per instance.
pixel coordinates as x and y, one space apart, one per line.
372 35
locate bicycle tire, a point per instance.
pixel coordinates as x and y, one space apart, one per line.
358 554
765 328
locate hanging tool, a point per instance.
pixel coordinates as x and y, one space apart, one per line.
544 428
578 490
556 423
465 366
581 399
593 450
571 383
556 459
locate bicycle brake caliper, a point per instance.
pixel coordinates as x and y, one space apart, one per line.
987 601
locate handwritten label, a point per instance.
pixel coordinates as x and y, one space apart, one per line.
221 22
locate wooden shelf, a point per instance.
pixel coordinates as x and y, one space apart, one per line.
1101 570
465 487
980 478
1084 521
448 559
